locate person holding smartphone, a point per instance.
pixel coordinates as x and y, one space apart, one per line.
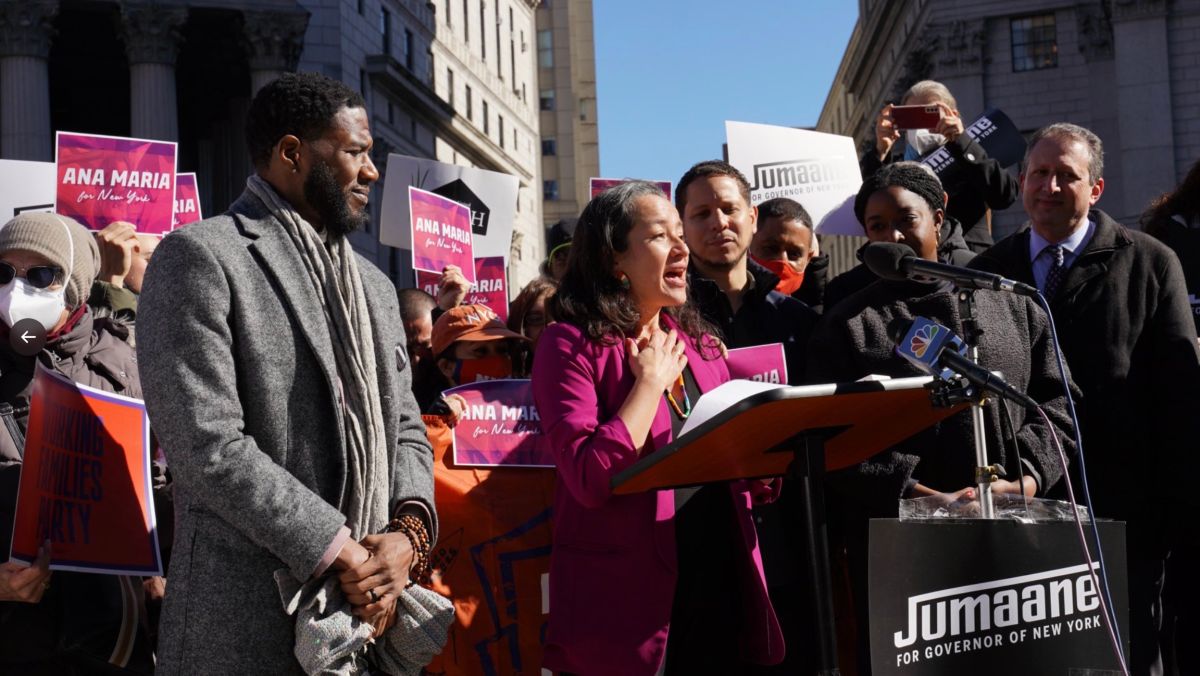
979 186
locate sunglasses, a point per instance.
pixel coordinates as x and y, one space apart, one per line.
38 276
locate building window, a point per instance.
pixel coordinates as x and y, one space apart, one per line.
391 114
385 27
412 128
450 87
482 31
466 23
1034 43
549 146
500 129
499 58
515 146
470 104
550 190
486 121
447 12
360 6
545 49
546 99
409 51
512 48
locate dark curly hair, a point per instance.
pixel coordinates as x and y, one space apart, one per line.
912 176
301 104
590 296
1183 201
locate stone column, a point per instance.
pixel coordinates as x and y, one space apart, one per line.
152 38
1144 114
25 34
273 42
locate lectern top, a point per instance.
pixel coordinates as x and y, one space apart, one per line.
756 435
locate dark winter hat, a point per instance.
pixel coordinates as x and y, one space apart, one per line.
63 242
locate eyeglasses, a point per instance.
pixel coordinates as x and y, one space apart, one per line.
38 276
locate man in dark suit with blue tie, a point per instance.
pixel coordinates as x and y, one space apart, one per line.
1126 330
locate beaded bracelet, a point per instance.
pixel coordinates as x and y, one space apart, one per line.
418 536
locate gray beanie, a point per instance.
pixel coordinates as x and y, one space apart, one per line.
44 234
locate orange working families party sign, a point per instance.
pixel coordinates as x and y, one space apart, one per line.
492 559
85 481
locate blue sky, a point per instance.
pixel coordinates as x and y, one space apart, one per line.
670 72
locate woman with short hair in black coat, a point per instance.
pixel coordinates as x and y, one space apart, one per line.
852 340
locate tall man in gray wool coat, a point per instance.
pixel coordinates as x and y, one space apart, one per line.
277 381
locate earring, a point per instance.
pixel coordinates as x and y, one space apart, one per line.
623 280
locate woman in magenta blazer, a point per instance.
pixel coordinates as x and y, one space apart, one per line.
661 582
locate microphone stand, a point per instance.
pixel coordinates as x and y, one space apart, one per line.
985 473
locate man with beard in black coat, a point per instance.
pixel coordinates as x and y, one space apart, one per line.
1126 330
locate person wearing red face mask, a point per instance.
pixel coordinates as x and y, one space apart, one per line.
786 245
469 343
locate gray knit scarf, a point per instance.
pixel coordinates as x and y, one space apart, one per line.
333 272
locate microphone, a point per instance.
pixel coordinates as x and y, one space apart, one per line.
935 350
894 261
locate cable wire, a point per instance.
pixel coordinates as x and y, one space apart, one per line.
1105 605
1087 496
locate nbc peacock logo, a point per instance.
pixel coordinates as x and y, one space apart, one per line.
922 339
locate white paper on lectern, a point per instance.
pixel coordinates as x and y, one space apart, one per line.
720 398
711 403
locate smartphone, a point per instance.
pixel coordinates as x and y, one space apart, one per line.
916 117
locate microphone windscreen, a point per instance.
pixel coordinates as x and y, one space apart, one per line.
898 328
886 259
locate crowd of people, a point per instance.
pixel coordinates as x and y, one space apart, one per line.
300 404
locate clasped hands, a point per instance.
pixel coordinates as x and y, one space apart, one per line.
372 573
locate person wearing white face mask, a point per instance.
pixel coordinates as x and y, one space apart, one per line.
47 266
978 186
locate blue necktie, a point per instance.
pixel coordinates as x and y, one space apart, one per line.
1058 271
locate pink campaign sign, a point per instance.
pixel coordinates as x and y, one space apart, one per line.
187 200
428 281
491 286
441 233
761 363
102 179
500 427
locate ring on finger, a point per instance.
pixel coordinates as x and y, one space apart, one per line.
374 596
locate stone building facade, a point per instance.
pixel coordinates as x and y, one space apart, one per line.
452 80
570 148
1127 69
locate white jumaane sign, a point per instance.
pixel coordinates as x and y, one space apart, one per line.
818 170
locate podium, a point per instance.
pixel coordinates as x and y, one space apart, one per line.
798 432
990 598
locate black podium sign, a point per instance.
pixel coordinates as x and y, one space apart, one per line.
991 597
